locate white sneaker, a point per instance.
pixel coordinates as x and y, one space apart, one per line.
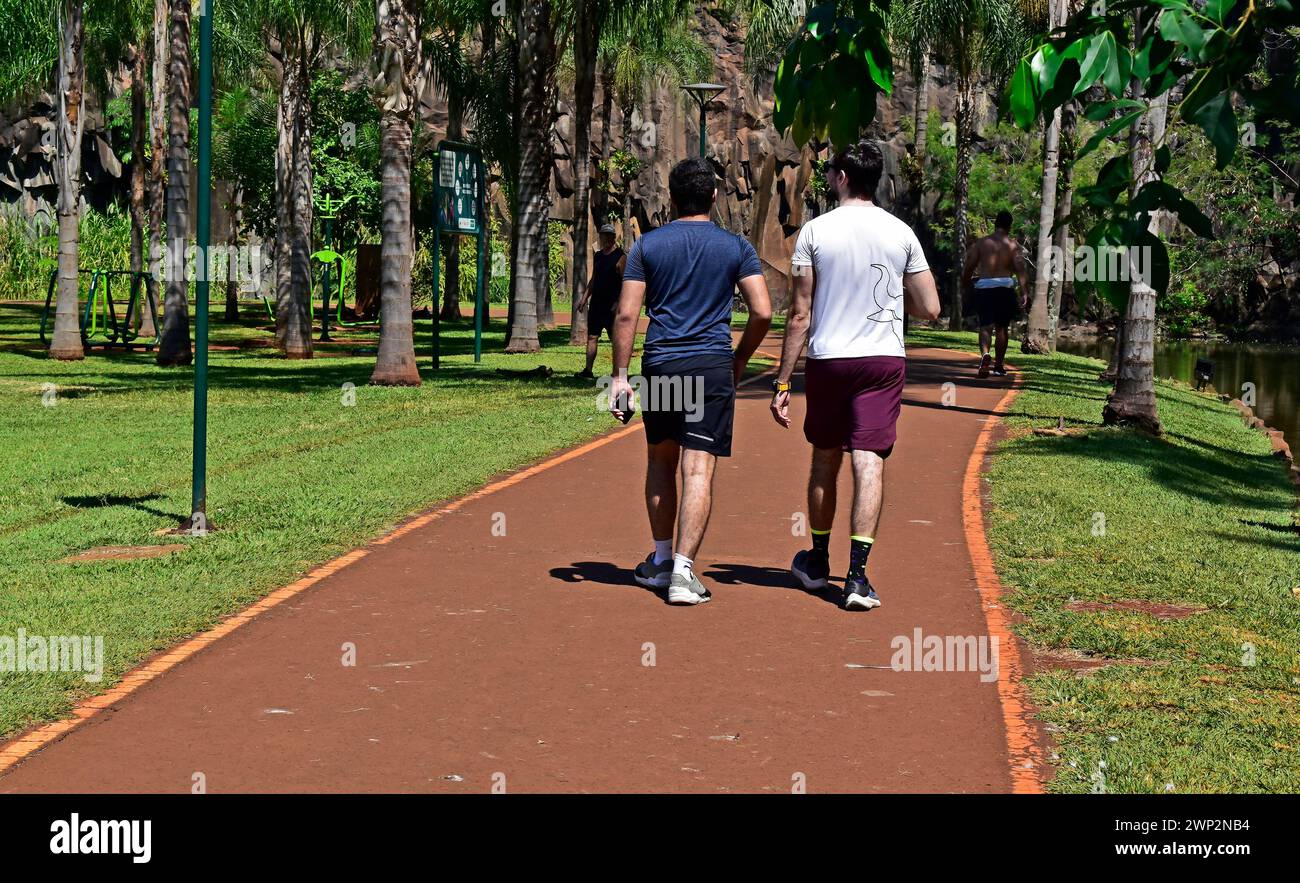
687 591
654 576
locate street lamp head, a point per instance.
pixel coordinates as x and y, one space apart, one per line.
702 92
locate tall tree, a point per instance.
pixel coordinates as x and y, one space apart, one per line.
1138 52
977 39
174 347
537 59
1038 332
397 61
160 48
71 82
586 54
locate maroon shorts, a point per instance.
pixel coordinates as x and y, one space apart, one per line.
854 403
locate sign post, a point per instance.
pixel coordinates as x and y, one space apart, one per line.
460 208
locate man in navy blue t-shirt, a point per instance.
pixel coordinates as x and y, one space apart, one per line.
686 273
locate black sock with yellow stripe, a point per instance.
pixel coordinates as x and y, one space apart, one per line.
858 554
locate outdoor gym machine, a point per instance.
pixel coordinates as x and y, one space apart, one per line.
99 317
460 208
329 207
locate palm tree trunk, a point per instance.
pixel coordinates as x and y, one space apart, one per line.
1133 401
236 225
960 191
536 53
921 127
138 220
397 50
1064 205
66 343
297 342
158 44
586 40
174 348
921 113
1038 333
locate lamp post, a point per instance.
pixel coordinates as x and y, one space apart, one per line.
197 523
702 93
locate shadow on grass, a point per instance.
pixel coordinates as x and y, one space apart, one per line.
106 500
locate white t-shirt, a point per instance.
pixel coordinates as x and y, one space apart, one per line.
859 254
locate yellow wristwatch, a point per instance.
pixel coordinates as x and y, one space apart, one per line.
780 386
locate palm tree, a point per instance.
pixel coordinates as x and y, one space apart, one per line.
537 57
80 44
1133 400
1038 334
976 38
174 347
397 62
71 80
159 90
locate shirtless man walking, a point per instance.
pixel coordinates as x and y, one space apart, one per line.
999 263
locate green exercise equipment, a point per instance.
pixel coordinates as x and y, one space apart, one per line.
100 324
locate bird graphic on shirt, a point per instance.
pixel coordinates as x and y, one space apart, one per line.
888 306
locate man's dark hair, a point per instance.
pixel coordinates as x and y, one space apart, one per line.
691 183
1003 221
862 164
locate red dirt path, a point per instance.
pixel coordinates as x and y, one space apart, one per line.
523 654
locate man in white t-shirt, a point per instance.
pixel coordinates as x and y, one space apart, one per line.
855 270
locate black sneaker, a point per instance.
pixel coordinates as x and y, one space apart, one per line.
858 594
985 362
811 568
999 371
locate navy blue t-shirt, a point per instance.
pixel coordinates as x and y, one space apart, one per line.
690 270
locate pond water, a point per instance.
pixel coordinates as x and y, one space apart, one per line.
1274 371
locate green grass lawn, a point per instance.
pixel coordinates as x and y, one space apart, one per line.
1203 518
296 476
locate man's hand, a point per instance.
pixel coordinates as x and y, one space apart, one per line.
582 304
781 408
619 387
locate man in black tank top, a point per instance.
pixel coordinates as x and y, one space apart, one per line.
602 294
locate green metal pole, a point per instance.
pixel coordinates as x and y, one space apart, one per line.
203 232
704 132
480 277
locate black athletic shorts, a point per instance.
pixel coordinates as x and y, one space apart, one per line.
600 317
691 401
996 306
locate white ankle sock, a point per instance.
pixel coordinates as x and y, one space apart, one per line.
663 550
683 565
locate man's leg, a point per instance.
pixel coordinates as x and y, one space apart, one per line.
822 477
592 344
661 488
868 493
1004 333
697 501
812 567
